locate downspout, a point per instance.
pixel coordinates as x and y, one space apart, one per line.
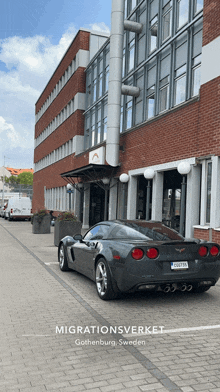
115 81
115 87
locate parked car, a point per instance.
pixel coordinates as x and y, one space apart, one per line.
2 210
18 208
128 256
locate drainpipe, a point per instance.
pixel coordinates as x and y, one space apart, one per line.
115 81
115 87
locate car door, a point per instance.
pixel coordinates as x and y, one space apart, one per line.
86 251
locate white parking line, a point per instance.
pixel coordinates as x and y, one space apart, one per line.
177 330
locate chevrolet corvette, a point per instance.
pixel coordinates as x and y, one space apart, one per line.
135 255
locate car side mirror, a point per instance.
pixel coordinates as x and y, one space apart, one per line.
78 237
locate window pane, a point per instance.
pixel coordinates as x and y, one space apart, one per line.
196 80
131 55
182 12
105 128
151 102
106 77
166 21
199 5
208 194
153 34
164 98
129 115
180 90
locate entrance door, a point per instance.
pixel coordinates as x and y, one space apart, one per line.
172 199
142 198
97 204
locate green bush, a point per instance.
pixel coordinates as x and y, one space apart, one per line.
66 216
40 215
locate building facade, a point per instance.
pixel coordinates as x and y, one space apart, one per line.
133 125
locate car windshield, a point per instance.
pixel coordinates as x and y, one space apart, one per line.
143 230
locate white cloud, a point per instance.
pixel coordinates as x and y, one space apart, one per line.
102 27
28 64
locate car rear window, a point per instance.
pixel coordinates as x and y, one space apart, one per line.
143 230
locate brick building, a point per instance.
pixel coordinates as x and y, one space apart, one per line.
143 103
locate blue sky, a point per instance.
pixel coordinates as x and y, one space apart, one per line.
34 36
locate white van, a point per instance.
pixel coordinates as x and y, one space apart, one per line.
18 207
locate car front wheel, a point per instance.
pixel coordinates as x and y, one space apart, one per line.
62 258
103 281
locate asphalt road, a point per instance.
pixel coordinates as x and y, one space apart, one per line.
57 335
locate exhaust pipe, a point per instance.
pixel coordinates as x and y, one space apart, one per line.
183 287
189 287
166 289
173 288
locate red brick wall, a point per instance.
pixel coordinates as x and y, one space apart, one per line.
74 125
50 177
211 26
204 235
81 41
75 84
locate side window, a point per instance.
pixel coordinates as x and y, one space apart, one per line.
97 233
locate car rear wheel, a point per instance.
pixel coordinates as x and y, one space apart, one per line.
62 258
103 281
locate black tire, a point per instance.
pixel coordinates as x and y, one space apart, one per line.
62 258
103 281
200 289
9 218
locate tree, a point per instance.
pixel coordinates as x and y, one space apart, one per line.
12 180
25 178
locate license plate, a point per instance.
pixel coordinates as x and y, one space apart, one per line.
177 265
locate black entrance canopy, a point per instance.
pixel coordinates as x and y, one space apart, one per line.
88 173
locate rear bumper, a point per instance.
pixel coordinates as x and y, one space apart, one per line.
129 280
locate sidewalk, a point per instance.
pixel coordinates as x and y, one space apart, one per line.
47 316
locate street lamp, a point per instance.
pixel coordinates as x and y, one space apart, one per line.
69 189
149 175
124 178
184 169
106 182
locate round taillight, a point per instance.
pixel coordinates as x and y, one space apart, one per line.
152 253
203 251
137 254
214 251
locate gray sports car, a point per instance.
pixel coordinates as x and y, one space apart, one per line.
127 256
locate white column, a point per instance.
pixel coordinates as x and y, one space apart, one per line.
86 205
132 198
192 200
215 193
115 77
113 199
157 196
